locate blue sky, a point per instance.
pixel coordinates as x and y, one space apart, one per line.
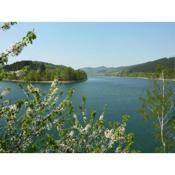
94 44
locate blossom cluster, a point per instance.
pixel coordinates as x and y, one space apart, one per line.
40 123
7 25
49 122
17 48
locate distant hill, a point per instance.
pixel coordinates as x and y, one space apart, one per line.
144 69
101 71
42 71
167 63
94 71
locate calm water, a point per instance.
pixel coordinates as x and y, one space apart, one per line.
121 95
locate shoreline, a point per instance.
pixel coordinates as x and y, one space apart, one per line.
78 81
146 78
45 82
143 78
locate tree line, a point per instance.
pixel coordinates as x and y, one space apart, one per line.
27 123
40 71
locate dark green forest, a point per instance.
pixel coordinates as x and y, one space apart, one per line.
148 69
41 71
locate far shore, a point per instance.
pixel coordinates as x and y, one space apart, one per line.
77 81
145 78
45 82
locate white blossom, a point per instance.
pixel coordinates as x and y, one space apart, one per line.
101 116
5 92
86 129
13 107
71 134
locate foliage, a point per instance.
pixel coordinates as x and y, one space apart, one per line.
16 48
41 124
147 69
158 107
49 123
7 25
41 71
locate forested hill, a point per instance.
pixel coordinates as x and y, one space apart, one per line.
152 66
42 71
34 65
143 70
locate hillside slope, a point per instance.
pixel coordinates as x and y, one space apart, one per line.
42 71
144 69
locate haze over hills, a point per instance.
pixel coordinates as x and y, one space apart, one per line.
101 71
144 69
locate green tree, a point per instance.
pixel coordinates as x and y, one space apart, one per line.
157 106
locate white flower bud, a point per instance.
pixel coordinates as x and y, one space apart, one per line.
101 117
88 126
71 134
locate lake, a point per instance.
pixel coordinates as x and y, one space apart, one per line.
121 95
